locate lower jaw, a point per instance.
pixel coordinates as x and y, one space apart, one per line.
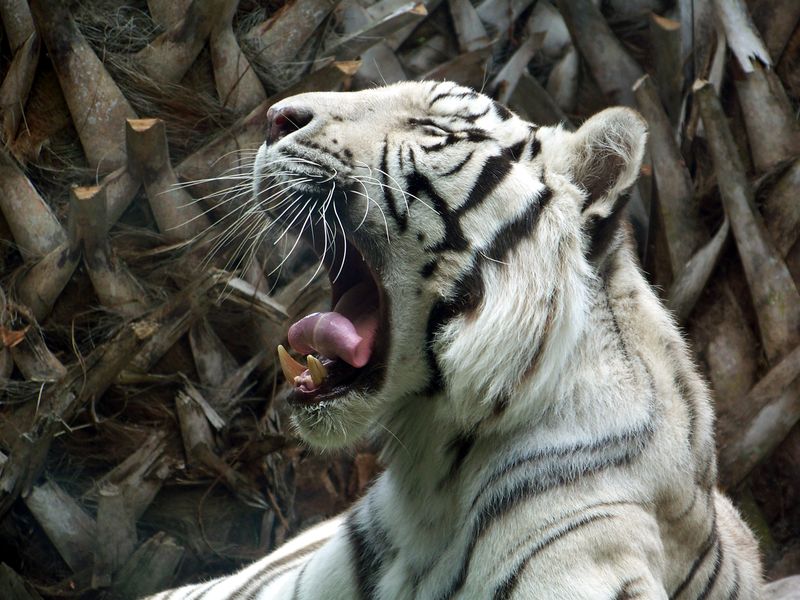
332 424
311 399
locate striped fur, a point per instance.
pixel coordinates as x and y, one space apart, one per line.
549 436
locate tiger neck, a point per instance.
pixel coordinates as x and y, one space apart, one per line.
434 465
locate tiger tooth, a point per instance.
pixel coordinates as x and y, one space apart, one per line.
317 370
290 367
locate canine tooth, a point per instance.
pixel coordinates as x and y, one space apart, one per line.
317 370
291 368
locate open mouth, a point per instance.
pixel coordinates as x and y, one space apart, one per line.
344 347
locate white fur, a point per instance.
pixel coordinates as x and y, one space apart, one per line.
588 462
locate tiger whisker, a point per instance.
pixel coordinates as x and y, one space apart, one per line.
234 228
240 190
289 226
395 182
325 242
245 258
244 210
241 152
245 175
405 193
344 246
383 214
250 233
297 240
366 210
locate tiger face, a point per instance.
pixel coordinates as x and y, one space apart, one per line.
446 224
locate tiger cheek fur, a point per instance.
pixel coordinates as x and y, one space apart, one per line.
546 433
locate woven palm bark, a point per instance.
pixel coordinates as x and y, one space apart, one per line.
144 438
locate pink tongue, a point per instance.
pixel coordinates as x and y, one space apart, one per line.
347 333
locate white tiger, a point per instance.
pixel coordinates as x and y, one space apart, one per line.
547 435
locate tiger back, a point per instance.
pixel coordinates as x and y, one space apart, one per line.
546 434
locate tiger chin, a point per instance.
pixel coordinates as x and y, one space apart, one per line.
546 433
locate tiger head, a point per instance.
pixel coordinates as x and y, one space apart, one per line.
461 242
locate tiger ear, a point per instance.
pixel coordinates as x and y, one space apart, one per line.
605 154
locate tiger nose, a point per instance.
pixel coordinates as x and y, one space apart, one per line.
283 120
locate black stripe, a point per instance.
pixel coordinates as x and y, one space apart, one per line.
708 545
421 122
444 95
210 586
418 184
273 570
428 269
626 592
513 233
517 150
364 559
689 507
602 231
388 191
471 118
468 135
440 314
733 594
254 586
298 582
502 111
491 176
476 135
535 148
553 301
507 587
460 165
490 513
448 141
609 451
712 579
682 383
623 347
708 475
371 549
461 446
544 336
495 170
440 96
684 391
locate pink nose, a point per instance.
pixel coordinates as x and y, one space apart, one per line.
283 120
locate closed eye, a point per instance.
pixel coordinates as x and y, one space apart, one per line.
435 130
